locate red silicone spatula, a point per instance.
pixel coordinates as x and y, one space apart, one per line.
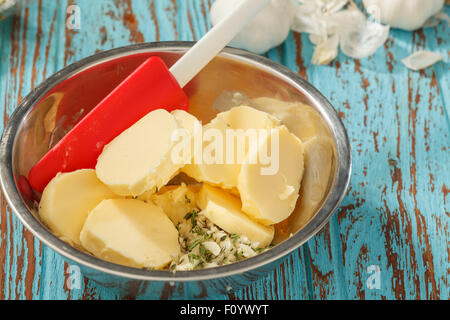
151 86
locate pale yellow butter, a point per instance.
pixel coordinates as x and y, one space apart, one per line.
132 233
67 201
270 197
224 210
236 121
245 117
184 148
140 159
319 153
218 174
175 201
187 121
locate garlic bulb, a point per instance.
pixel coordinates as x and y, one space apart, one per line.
267 30
404 14
364 41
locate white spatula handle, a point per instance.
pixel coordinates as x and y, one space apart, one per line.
215 40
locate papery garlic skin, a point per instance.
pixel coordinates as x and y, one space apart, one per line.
267 30
404 14
363 42
422 60
327 51
338 23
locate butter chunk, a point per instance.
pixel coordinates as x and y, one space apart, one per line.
187 121
236 120
131 233
140 158
224 210
175 201
271 197
67 201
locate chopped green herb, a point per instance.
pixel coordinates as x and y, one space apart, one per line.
235 237
239 256
205 254
195 233
198 231
192 257
202 250
207 237
259 250
195 243
192 216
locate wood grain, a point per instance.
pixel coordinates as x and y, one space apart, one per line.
396 212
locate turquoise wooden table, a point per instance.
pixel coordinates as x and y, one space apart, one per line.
390 237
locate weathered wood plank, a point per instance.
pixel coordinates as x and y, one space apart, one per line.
386 220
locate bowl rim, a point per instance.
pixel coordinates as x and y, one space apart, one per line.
336 195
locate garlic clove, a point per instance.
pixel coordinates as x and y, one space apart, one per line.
327 51
422 59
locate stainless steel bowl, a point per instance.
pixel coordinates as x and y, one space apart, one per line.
53 107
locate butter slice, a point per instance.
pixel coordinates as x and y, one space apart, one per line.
224 210
175 201
239 118
186 120
67 201
140 158
319 153
192 127
131 233
269 199
218 174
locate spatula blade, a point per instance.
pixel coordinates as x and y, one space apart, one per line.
151 86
